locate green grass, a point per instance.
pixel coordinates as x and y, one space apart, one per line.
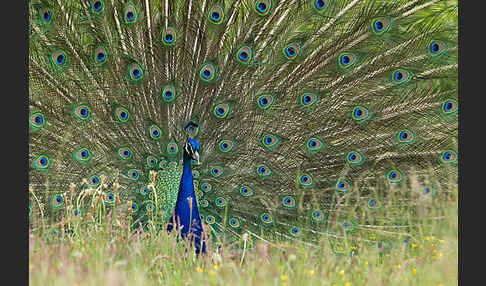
111 255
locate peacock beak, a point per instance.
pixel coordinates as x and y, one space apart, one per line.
196 157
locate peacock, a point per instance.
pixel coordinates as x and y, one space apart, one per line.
267 119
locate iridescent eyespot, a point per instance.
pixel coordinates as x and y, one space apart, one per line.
295 231
400 77
207 72
449 106
169 37
206 187
42 162
109 198
429 192
216 171
130 13
448 157
360 113
244 55
216 15
82 155
133 174
305 180
204 203
263 7
76 212
405 136
221 110
234 222
210 219
144 191
264 101
263 170
246 191
163 164
380 25
220 202
354 158
59 58
149 207
151 161
266 218
37 120
317 215
195 174
46 14
225 145
394 176
97 6
100 56
133 208
82 112
93 181
436 48
57 201
291 51
172 148
346 60
289 202
307 99
122 114
342 186
373 204
320 6
269 141
314 144
169 93
125 153
155 132
135 72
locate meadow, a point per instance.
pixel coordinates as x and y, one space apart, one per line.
108 253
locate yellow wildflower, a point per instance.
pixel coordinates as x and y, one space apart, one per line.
399 266
366 263
414 245
341 272
216 266
311 272
199 269
348 284
434 251
283 277
212 272
427 238
414 271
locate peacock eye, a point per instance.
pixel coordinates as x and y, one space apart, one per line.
135 72
169 37
380 25
59 58
307 99
262 7
436 48
449 106
207 72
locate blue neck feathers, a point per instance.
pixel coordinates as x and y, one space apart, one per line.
186 211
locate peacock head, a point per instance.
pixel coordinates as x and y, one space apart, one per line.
192 146
192 149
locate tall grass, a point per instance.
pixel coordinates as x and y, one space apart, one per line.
109 254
